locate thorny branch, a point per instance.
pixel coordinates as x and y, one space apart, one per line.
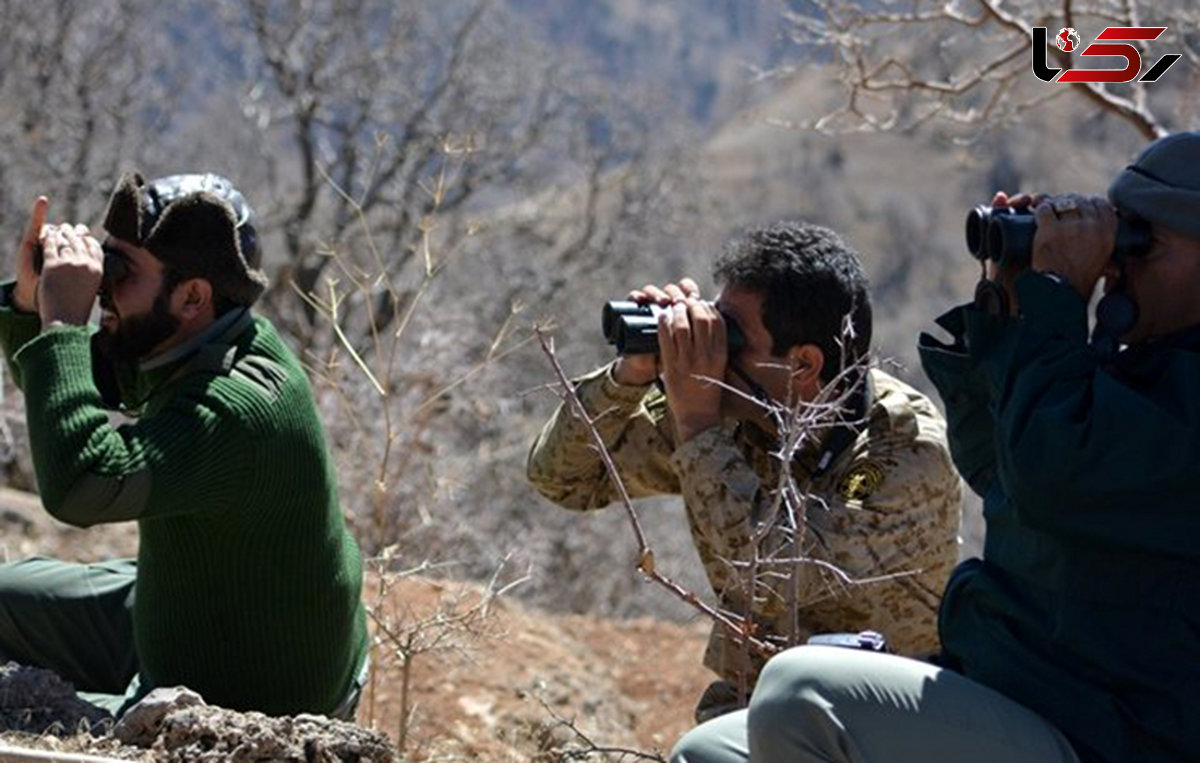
741 628
797 427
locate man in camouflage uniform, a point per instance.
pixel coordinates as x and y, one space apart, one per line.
884 498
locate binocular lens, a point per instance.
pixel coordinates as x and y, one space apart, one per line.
614 313
1005 235
633 328
977 220
638 335
116 266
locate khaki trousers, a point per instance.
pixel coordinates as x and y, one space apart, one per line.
836 705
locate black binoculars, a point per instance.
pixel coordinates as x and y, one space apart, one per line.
633 328
1005 235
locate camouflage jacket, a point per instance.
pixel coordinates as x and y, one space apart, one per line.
888 506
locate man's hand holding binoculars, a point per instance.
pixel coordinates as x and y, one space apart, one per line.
693 349
1075 238
63 289
71 274
641 369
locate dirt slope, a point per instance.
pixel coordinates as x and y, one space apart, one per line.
624 683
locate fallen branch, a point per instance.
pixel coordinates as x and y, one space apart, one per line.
588 746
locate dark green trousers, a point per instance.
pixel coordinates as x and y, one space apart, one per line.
74 619
77 620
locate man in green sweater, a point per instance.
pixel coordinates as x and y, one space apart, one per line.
247 584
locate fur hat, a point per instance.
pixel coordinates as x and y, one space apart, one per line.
1163 186
198 224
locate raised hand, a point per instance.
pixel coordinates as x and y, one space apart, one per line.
71 275
694 351
644 369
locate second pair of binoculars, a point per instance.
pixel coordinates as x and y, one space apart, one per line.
1005 235
633 328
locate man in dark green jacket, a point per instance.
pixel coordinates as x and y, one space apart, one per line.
247 583
1077 636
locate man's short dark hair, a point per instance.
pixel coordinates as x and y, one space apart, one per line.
811 280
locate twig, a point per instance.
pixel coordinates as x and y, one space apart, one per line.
741 628
589 747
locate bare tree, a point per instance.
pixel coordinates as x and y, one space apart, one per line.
431 169
83 86
455 623
380 99
966 64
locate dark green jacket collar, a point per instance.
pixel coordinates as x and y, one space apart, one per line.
133 385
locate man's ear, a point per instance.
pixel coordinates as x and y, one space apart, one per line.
193 299
807 361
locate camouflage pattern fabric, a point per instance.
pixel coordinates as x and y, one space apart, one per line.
889 506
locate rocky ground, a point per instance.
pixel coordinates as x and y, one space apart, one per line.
487 680
41 712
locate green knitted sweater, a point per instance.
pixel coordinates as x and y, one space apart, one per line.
248 583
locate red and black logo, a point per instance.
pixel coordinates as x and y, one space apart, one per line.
1068 40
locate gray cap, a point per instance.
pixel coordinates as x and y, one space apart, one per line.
1163 185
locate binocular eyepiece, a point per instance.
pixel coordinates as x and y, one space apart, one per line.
633 328
1005 235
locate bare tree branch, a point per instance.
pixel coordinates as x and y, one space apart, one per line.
907 61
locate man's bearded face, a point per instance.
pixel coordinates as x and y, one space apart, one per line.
134 336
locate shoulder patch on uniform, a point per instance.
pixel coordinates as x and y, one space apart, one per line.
264 375
655 404
860 481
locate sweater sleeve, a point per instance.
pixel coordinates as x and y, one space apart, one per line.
633 423
957 370
16 328
1089 454
181 460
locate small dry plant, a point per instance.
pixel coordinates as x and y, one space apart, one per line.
388 396
580 745
458 619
